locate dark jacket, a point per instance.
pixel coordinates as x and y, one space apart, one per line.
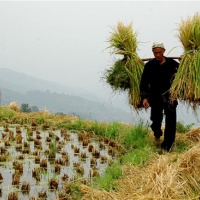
157 79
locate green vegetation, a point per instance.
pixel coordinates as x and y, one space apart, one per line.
181 128
26 108
6 113
137 157
136 137
108 180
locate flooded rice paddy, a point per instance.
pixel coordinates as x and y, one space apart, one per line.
40 164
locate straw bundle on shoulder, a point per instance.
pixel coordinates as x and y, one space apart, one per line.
125 74
186 85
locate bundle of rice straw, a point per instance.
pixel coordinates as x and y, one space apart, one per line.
186 85
125 74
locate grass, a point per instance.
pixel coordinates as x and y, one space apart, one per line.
137 157
135 137
182 128
108 180
6 113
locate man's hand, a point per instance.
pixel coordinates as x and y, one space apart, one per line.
145 103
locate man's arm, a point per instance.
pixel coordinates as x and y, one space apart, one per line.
144 87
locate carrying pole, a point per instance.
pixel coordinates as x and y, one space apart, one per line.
147 59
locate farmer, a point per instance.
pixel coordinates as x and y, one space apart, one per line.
155 83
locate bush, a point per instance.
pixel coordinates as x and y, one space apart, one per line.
181 128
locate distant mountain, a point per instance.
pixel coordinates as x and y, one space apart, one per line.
22 88
22 83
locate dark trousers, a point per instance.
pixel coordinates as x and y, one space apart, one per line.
170 122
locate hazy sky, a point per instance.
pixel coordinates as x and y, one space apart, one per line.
66 41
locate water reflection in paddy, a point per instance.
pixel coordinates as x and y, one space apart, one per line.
40 164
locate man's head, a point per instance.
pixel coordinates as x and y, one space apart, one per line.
158 50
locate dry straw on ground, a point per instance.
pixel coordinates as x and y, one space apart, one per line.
14 106
194 135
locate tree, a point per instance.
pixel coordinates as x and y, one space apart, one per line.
34 109
25 108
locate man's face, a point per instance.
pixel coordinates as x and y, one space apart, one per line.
158 53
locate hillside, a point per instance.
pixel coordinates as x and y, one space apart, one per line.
22 88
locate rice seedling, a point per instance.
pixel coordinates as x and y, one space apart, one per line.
6 129
1 177
83 155
3 150
25 187
63 195
186 84
7 143
90 147
26 151
37 159
94 172
19 139
53 183
3 158
48 139
13 196
111 151
36 172
18 166
80 170
59 161
65 177
125 74
42 195
85 143
93 161
57 168
43 163
95 153
103 159
66 159
76 150
16 179
11 136
18 129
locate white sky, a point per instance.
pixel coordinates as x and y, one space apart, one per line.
65 41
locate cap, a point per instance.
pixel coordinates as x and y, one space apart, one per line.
158 45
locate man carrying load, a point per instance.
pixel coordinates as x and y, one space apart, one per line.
155 84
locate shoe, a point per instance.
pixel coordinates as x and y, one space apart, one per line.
157 141
166 148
